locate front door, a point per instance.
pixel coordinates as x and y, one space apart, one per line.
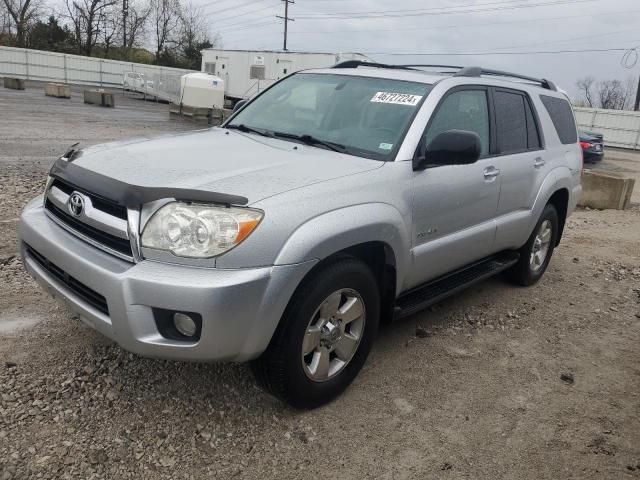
455 205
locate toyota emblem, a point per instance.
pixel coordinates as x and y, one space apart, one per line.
75 204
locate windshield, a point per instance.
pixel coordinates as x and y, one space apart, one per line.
361 116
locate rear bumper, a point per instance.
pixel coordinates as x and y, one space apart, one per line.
240 309
592 156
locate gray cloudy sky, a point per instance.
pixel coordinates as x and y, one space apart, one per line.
446 26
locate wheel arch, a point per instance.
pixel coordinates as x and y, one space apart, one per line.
560 200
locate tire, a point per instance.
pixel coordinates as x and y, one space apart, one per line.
297 379
528 270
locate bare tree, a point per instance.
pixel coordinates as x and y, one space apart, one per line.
610 94
87 17
585 88
165 19
137 16
109 26
22 13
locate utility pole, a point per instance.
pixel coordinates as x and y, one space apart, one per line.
125 13
286 19
636 107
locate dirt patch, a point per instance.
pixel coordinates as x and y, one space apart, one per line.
475 387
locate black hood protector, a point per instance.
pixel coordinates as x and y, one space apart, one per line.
132 195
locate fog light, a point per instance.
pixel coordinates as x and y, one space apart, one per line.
184 324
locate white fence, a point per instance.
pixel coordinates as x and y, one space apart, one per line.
620 128
61 67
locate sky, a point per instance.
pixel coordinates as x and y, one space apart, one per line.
477 29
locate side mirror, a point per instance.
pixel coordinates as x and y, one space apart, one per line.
453 147
239 104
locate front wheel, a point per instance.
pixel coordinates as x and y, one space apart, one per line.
536 253
324 336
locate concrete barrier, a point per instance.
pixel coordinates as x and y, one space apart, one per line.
57 90
14 83
99 97
213 116
606 190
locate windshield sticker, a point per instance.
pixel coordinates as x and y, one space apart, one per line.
385 146
397 98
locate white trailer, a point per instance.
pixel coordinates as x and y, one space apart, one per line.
247 72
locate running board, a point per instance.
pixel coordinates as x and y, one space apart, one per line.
425 295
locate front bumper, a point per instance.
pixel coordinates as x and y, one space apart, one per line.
240 309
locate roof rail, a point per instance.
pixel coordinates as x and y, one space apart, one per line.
461 71
421 65
479 71
362 63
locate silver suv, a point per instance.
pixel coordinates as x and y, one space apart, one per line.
335 200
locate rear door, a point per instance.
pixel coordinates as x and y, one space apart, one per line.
522 161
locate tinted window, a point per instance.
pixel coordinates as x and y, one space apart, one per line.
532 129
562 118
511 122
463 110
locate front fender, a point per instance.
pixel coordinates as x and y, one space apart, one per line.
331 232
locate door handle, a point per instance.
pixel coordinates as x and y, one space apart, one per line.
491 172
538 162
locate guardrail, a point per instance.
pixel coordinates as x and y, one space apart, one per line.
621 128
66 68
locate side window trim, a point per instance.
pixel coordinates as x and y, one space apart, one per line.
527 99
465 88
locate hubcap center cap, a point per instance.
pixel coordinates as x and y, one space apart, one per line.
330 334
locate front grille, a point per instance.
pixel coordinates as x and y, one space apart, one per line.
100 203
90 296
118 244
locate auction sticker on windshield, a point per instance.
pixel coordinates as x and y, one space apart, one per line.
397 98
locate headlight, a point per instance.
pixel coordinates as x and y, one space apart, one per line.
198 231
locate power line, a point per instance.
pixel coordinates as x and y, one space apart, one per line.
413 10
399 14
249 26
475 54
233 7
234 16
467 25
572 39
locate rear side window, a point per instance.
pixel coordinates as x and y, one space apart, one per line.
511 122
463 110
562 117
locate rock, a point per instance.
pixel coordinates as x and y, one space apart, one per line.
446 466
422 333
167 462
576 259
567 378
97 456
10 364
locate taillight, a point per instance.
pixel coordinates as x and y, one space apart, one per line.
586 145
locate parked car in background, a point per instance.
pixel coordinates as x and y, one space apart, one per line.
335 200
592 146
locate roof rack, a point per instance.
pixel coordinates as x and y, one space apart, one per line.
461 71
478 72
362 63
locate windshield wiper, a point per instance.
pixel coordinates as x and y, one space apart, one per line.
247 129
311 140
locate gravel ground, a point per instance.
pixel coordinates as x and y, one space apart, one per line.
497 382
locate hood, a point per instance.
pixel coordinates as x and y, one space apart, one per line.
222 161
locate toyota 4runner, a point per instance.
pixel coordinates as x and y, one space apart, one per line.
336 199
